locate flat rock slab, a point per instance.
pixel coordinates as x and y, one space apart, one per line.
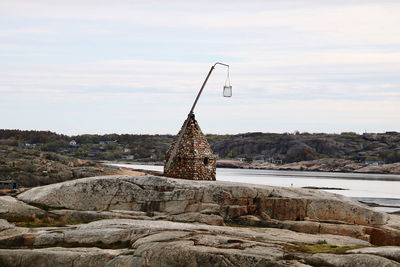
57 256
14 210
362 260
143 223
225 199
389 252
126 233
158 243
4 225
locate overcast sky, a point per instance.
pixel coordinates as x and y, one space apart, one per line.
136 66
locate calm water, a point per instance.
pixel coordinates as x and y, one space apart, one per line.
382 189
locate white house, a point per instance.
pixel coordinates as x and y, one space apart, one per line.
72 143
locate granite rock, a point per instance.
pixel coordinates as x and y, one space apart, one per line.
228 200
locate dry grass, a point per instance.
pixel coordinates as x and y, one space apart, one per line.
41 222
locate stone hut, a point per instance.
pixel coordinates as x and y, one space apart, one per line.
194 159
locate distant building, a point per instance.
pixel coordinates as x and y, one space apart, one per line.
73 143
28 145
9 184
127 157
275 161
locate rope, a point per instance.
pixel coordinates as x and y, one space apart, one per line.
228 80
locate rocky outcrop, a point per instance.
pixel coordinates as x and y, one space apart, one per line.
321 165
393 168
226 163
216 203
125 242
389 252
156 221
33 168
132 233
324 259
227 200
57 256
4 225
159 243
15 210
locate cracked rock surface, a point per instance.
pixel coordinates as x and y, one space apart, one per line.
227 200
157 221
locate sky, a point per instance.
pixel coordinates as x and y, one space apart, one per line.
98 67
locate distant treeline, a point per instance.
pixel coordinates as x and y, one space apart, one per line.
273 147
31 136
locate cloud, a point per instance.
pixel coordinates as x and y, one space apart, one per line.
294 64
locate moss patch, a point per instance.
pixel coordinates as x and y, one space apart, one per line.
322 247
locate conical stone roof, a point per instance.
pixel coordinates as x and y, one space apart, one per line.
194 159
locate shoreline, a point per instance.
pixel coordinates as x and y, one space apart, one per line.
376 203
302 166
323 174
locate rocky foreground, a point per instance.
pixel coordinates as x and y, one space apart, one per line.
156 221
